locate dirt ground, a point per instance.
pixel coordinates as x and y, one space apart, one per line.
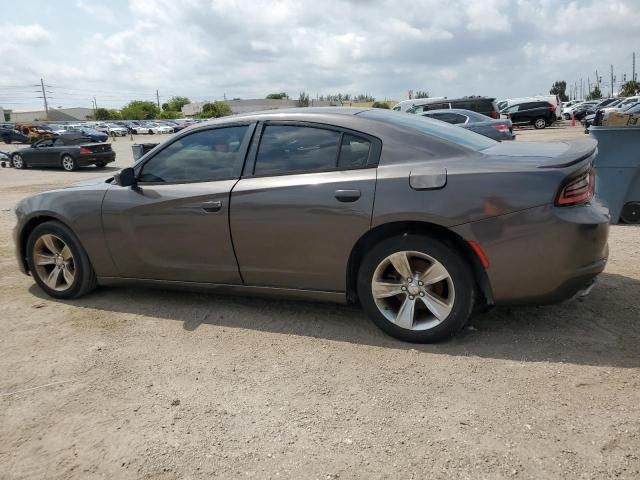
133 383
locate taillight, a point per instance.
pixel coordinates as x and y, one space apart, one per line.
576 190
502 128
552 107
85 151
495 114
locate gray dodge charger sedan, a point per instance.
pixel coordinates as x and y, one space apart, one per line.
417 220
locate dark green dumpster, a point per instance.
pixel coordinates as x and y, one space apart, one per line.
617 168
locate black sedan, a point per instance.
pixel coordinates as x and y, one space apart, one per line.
9 135
500 129
66 151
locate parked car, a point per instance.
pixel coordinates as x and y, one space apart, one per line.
145 128
583 110
485 106
539 113
406 105
116 130
415 219
69 152
497 129
94 135
566 112
604 114
163 128
34 132
9 135
552 99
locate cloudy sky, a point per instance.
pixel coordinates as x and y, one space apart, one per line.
119 50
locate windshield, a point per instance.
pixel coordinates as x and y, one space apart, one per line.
435 128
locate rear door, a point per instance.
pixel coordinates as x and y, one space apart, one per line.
305 198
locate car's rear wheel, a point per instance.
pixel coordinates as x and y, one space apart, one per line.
101 164
631 213
6 139
57 261
68 163
539 123
18 162
416 288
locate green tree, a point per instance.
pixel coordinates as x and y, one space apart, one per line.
421 94
380 105
559 88
303 99
140 110
630 88
107 114
169 114
176 103
277 96
594 94
214 110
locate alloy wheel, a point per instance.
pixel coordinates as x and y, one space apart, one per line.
413 290
540 123
54 262
17 161
68 163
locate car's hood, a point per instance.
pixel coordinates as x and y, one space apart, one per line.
91 181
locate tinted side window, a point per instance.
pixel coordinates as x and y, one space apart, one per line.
354 152
288 148
207 155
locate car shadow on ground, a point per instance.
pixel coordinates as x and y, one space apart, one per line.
601 329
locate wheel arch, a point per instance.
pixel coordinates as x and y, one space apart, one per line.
392 229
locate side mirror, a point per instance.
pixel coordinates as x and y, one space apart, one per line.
125 177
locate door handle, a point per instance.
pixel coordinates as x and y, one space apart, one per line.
347 195
212 206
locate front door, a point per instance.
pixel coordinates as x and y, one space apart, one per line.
303 206
174 224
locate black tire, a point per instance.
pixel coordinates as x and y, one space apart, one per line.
539 123
458 269
6 139
150 132
20 164
85 277
68 163
101 164
631 213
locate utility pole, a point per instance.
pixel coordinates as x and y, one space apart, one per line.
158 99
44 97
633 67
612 80
95 108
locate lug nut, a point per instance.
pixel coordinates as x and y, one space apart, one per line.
422 294
410 297
409 280
420 283
404 288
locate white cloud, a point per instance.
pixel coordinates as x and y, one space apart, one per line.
27 35
207 48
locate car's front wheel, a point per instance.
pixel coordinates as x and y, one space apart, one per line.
69 163
18 162
57 261
416 288
6 139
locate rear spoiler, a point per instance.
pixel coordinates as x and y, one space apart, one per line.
578 151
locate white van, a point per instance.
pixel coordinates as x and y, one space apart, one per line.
552 99
405 105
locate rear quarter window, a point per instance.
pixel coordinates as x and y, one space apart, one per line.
427 126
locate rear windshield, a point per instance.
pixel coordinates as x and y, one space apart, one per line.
435 128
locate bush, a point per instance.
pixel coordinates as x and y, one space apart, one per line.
140 110
170 114
215 110
380 105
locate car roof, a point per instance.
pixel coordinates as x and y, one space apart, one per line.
462 111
